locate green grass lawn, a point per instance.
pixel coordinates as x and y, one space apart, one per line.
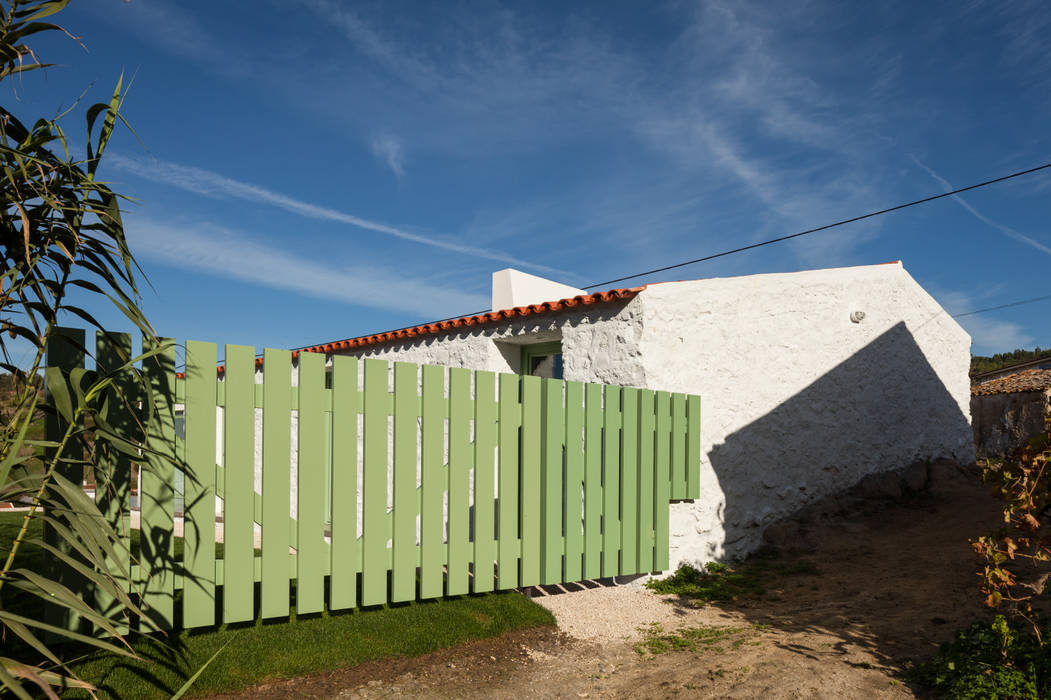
288 648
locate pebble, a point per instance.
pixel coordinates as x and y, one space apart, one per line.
608 613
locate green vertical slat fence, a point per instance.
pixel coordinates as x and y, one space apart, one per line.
529 489
406 504
157 498
678 446
238 489
311 466
645 500
433 550
374 486
662 479
552 488
611 482
693 446
518 480
113 478
484 480
573 521
344 550
199 525
593 481
460 457
277 481
508 543
629 482
64 352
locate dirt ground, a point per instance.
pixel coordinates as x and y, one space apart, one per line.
892 584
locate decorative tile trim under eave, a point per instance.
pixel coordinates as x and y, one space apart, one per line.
489 317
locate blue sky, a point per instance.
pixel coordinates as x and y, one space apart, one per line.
315 170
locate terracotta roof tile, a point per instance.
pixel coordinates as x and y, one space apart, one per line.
488 317
1026 380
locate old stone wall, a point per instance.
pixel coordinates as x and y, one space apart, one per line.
1004 423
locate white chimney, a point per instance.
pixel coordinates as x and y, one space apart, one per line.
513 288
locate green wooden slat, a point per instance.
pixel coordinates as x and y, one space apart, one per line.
646 480
693 446
113 470
65 350
530 481
678 446
311 471
277 480
435 479
629 486
662 480
611 482
239 468
406 503
593 481
574 496
345 550
199 523
484 483
374 486
507 516
461 459
157 540
552 434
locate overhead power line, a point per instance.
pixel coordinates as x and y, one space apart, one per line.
1003 306
851 220
779 239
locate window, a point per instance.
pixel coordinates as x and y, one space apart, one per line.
542 360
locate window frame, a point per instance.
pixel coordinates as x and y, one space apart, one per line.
553 347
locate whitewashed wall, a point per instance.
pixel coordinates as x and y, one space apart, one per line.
798 401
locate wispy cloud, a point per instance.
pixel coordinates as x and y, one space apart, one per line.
1006 230
988 335
210 184
230 254
389 150
177 31
504 84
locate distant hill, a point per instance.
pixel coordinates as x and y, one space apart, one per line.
980 363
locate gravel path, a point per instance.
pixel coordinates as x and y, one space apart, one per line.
606 613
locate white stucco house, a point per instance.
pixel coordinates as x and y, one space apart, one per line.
809 381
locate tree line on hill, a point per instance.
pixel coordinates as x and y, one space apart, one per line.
981 363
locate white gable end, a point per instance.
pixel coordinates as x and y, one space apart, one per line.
513 288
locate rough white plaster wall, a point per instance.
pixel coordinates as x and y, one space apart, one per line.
599 344
798 402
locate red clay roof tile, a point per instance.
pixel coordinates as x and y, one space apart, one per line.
1026 380
488 317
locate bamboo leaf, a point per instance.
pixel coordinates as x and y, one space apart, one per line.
6 615
197 674
46 9
11 683
59 391
47 589
44 679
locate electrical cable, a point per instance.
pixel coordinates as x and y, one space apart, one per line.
780 239
1003 306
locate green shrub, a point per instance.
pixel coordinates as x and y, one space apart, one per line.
989 660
